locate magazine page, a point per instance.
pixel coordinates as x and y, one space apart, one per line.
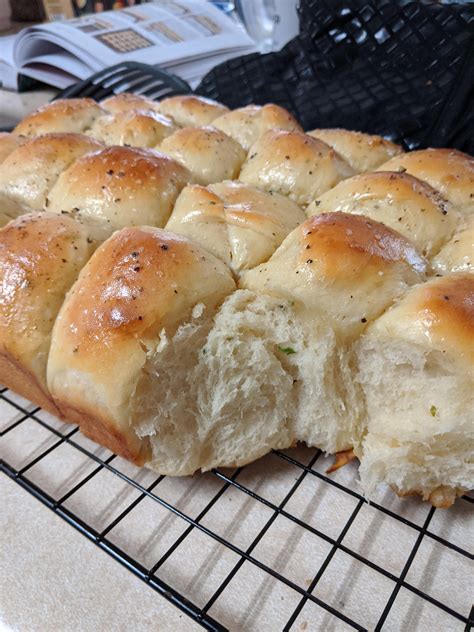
8 71
168 33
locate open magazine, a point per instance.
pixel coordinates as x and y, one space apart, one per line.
186 37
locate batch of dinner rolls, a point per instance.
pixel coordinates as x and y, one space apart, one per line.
196 286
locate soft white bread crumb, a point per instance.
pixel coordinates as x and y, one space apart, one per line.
262 379
270 378
163 406
416 369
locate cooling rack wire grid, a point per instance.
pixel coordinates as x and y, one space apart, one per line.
276 545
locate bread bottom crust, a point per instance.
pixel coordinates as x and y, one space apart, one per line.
101 431
22 381
442 497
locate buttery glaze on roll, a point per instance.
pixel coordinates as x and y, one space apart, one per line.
335 339
363 152
63 115
142 288
457 255
190 110
118 187
234 221
399 201
134 128
416 367
357 264
40 257
126 102
293 164
10 142
29 172
209 154
246 125
449 171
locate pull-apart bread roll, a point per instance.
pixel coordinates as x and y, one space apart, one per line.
10 209
399 201
457 255
246 125
126 102
10 142
416 367
236 222
125 341
209 154
63 115
40 257
29 172
190 110
293 164
118 187
277 366
363 152
135 128
449 171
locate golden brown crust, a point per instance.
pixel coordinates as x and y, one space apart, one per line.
133 128
363 152
236 222
438 313
366 244
341 459
442 497
246 125
128 101
30 171
399 201
340 267
449 171
457 255
139 282
10 142
63 115
112 303
15 377
446 310
293 164
99 429
209 154
40 257
190 110
118 187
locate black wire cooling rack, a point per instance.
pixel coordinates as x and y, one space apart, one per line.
262 527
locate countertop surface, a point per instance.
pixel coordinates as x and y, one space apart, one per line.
53 579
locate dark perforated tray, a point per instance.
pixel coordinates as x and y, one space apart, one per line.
401 69
128 76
